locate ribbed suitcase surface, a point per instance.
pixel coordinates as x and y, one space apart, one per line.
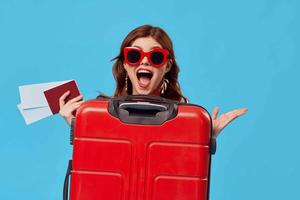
141 149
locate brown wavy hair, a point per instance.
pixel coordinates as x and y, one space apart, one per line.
173 90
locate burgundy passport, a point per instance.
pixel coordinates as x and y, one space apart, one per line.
52 95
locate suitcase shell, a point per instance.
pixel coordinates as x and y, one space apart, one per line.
115 159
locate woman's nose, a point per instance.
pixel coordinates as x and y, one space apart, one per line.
145 61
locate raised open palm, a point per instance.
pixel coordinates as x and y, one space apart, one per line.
219 123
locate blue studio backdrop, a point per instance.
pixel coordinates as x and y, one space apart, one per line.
231 53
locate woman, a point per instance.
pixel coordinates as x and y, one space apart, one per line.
146 65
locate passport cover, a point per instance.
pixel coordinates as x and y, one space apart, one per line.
52 95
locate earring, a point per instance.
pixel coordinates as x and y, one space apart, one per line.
126 83
164 86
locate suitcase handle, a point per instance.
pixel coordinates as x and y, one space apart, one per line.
143 109
143 106
66 182
149 98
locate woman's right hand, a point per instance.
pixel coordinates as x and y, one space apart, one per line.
67 109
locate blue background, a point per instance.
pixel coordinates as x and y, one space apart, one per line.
231 53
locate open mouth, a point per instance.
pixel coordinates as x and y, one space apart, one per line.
144 77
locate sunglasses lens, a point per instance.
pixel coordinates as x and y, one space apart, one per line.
157 58
133 56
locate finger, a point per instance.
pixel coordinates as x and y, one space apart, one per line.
237 112
215 112
241 112
76 104
62 99
74 100
68 110
74 107
69 107
229 117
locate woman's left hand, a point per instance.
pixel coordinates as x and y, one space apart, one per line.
219 123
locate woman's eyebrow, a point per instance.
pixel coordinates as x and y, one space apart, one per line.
150 49
137 46
155 47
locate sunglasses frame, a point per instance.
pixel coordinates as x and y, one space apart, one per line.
165 53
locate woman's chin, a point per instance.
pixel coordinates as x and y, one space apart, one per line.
143 91
146 91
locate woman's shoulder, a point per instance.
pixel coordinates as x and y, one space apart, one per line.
184 100
103 96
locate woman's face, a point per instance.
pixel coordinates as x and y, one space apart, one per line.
145 78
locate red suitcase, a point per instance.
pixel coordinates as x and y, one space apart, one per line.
140 148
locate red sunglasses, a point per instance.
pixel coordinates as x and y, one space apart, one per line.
157 57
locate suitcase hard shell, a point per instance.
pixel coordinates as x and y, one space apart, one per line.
141 148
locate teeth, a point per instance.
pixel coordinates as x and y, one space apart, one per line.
144 71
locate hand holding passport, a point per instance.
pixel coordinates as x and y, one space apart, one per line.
42 100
